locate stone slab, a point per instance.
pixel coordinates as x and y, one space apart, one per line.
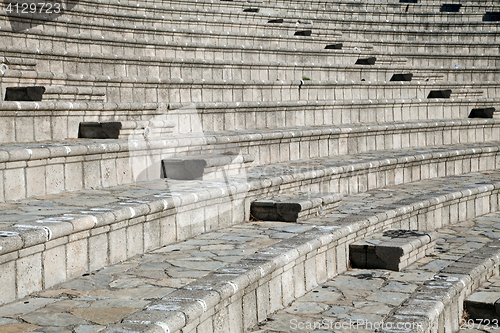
391 250
292 207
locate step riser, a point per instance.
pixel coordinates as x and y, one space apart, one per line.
167 35
241 118
237 91
241 25
23 178
250 71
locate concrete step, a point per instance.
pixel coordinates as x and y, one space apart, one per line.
42 121
206 166
294 207
393 250
52 93
126 130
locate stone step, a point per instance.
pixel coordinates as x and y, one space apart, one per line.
122 28
126 129
455 93
22 122
426 297
57 120
484 303
206 166
294 207
64 93
65 235
393 249
418 77
165 90
285 53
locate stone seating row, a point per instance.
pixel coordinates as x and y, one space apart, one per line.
163 35
288 114
61 42
183 290
37 169
238 21
105 64
124 29
114 65
136 89
321 7
267 12
129 220
42 121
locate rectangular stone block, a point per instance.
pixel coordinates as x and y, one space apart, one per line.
393 249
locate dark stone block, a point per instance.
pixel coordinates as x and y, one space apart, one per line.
450 7
337 46
491 16
408 1
303 33
482 113
402 77
95 130
275 21
187 169
275 211
440 94
251 10
366 61
26 94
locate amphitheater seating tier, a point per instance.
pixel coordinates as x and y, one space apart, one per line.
136 136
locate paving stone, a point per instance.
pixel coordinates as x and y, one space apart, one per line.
88 328
48 318
23 307
101 315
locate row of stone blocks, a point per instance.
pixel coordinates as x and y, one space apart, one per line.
123 89
254 289
199 20
41 121
131 227
415 53
52 169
